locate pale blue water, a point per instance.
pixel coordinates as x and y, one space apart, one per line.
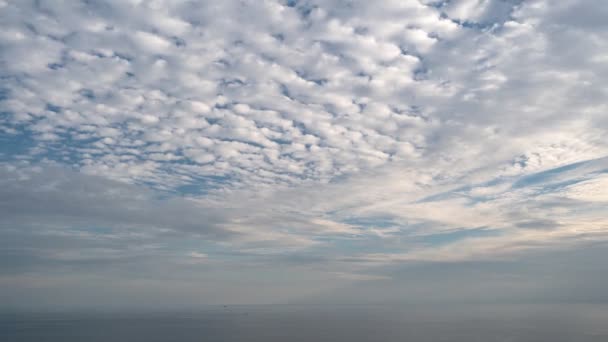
553 323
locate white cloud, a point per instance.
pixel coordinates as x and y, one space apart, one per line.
311 127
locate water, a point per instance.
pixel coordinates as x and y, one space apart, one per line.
554 323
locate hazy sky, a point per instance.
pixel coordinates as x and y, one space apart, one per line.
177 153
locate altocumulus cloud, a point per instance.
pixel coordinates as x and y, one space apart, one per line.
187 144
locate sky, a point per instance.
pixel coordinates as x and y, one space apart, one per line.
173 153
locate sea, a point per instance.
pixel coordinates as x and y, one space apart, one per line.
312 323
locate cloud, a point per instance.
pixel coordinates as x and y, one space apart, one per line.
326 91
61 197
334 137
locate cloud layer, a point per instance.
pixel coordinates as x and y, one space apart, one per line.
331 139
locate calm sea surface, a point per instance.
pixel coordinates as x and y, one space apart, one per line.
318 323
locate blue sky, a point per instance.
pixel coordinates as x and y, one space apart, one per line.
285 151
